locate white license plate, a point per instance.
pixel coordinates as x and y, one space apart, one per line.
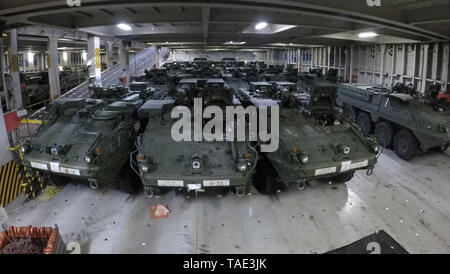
328 170
211 183
347 165
360 164
54 166
171 183
194 187
39 165
71 171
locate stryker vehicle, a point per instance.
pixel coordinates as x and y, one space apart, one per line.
307 80
87 140
199 62
315 141
156 76
193 165
113 92
285 86
407 123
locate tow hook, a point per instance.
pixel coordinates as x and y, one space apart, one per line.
301 184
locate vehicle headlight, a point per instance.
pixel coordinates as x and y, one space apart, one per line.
242 165
88 159
54 151
196 164
144 168
24 148
304 158
376 148
344 149
444 129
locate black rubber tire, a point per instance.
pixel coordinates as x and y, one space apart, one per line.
442 148
265 178
350 113
130 182
364 122
59 180
384 133
342 178
405 145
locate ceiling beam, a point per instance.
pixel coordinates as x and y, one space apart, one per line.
354 11
106 11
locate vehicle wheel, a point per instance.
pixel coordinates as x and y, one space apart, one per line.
342 178
442 148
405 145
59 180
384 133
364 123
130 182
350 113
265 178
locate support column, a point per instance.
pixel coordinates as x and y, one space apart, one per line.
350 79
158 56
94 59
109 54
444 69
14 96
403 72
53 68
5 153
424 68
124 59
383 52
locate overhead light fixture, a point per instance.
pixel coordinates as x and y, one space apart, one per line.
367 34
123 26
260 25
234 43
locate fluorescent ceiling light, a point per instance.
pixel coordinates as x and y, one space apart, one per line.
261 25
234 43
123 26
367 34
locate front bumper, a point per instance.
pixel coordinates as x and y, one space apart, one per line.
77 171
192 182
313 171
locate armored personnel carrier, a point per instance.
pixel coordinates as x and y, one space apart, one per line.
409 124
189 164
316 142
87 140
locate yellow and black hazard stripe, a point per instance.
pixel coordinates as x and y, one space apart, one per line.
97 58
33 182
14 62
10 184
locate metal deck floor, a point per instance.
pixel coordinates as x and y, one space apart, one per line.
409 200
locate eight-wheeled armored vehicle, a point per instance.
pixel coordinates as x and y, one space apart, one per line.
315 142
406 123
193 164
88 140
